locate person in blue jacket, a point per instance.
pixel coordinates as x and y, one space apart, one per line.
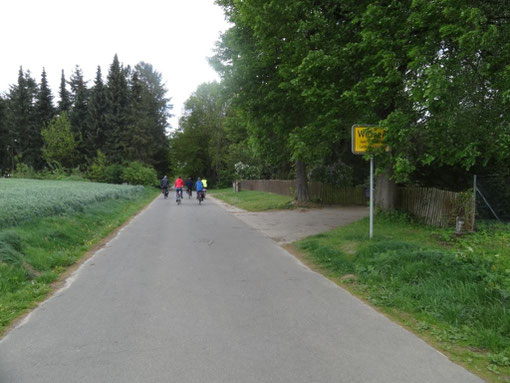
199 187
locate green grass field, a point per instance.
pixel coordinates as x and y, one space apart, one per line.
253 200
37 249
454 291
23 200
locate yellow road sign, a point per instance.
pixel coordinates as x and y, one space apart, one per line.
366 136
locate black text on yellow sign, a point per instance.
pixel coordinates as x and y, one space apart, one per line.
365 137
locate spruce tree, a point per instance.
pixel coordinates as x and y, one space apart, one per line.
155 108
64 104
44 108
117 117
79 112
44 112
137 135
95 139
23 135
4 139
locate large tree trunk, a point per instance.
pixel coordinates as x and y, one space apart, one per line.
385 191
301 182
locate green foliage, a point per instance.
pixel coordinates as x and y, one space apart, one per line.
246 172
60 144
136 173
435 77
24 200
199 147
97 171
24 171
23 134
64 103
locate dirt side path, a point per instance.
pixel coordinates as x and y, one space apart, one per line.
286 226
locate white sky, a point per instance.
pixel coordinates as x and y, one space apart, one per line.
175 36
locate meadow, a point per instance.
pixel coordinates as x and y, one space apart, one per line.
22 200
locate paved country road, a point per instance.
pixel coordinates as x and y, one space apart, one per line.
192 294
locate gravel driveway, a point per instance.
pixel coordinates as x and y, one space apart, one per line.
286 226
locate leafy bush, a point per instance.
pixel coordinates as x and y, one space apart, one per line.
246 172
98 169
24 171
136 173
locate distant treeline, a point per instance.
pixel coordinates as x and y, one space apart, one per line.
123 119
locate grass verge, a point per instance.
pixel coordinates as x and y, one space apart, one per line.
253 200
34 255
452 291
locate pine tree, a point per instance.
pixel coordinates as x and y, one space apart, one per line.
79 111
4 139
137 135
64 104
44 108
44 111
23 135
95 138
155 108
117 117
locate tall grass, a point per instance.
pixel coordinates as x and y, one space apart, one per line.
22 200
456 290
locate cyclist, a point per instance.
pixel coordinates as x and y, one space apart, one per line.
189 186
199 187
164 185
204 182
179 183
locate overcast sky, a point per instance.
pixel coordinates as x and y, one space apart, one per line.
175 36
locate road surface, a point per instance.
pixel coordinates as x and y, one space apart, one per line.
192 294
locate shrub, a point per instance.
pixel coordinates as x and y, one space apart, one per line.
136 173
98 169
115 174
24 171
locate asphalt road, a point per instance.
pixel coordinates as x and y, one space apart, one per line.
192 294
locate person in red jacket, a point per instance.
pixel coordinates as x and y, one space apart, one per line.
179 183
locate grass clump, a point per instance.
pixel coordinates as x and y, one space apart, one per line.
34 254
253 200
454 291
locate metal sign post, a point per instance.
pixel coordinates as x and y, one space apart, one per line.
360 145
371 230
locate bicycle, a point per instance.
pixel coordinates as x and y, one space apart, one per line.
178 196
165 193
189 193
200 197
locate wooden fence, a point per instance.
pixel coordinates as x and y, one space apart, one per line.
437 207
318 191
432 206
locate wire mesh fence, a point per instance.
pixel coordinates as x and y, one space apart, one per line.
492 197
